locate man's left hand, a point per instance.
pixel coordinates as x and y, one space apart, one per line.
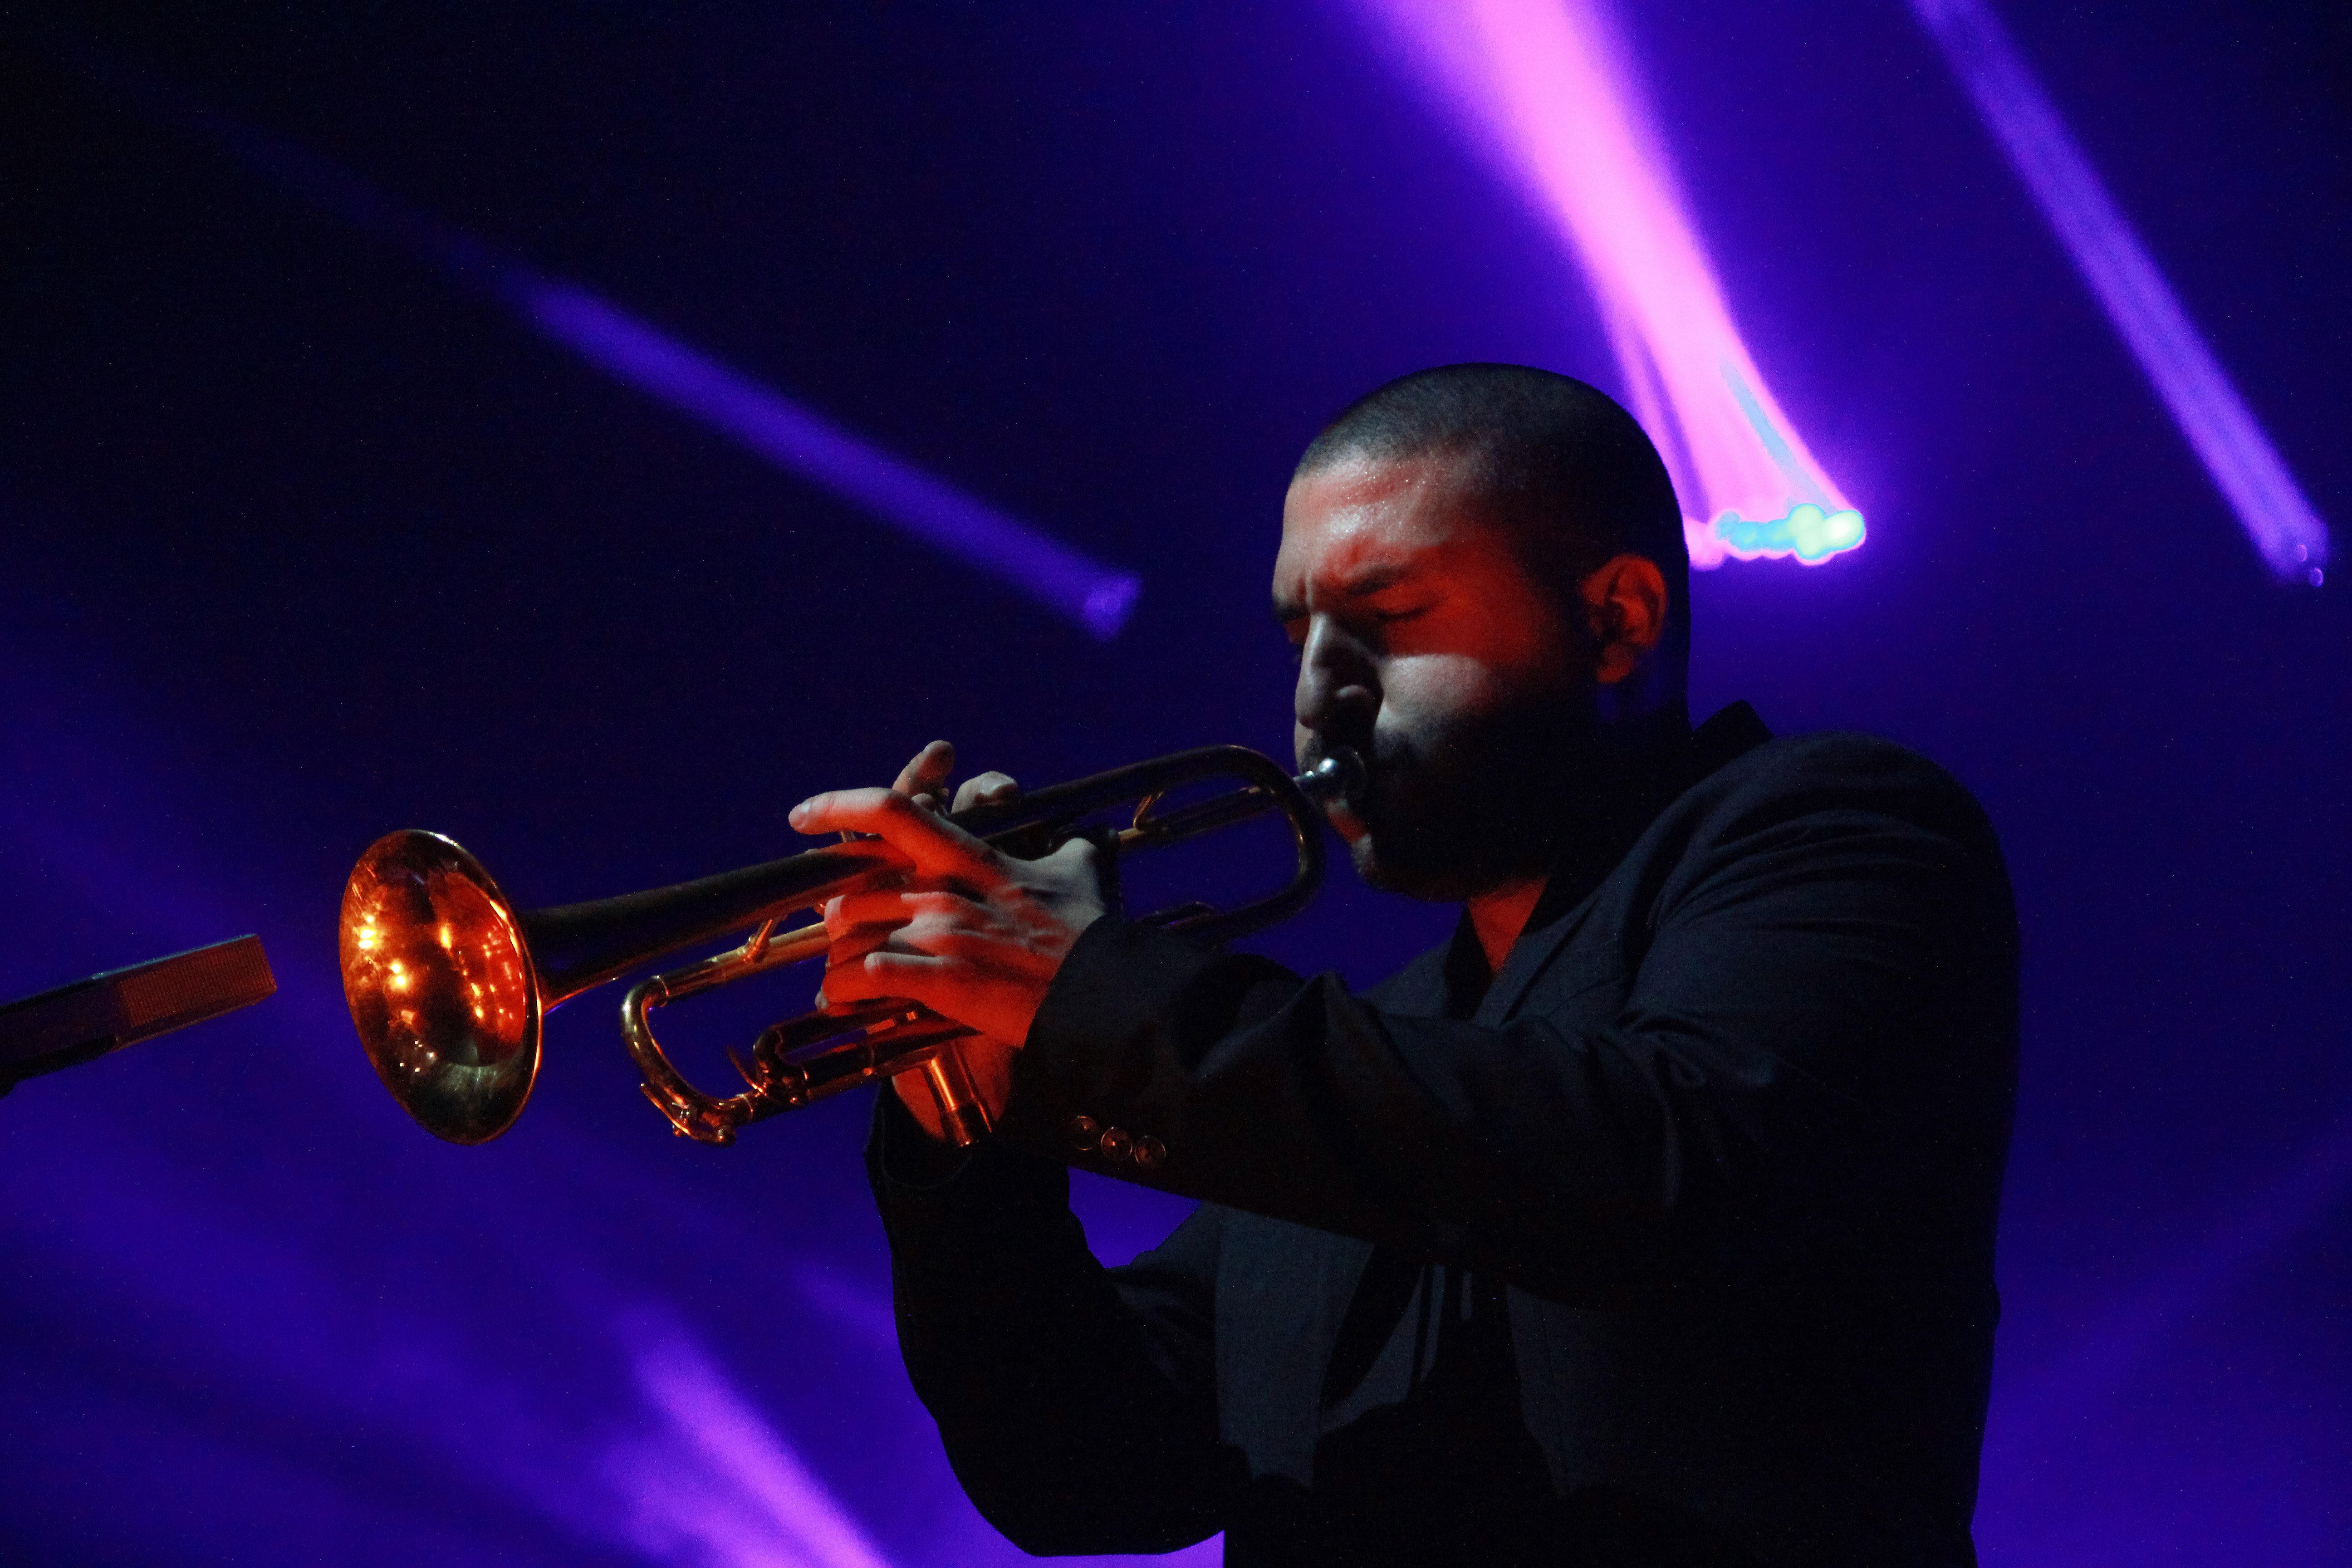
970 933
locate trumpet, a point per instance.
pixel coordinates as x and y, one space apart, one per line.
450 984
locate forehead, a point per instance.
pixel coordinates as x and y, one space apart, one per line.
1368 518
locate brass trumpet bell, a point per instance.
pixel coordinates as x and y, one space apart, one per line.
448 982
441 986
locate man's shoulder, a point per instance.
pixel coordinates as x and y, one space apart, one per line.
1833 772
1820 792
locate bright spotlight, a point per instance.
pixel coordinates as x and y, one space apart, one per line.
1544 88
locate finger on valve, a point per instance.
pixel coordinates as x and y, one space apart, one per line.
986 789
927 775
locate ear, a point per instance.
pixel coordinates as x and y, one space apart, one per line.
1625 604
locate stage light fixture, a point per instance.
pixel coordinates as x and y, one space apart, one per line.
1546 91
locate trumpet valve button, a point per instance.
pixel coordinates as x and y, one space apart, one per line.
1116 1144
1085 1134
1150 1153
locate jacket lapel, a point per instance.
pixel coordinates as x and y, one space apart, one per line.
1732 731
1529 957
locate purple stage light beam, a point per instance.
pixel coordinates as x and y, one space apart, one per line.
1100 598
2295 1203
2245 466
1546 91
721 1485
767 422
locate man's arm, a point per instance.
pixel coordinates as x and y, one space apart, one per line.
1076 1403
1811 1059
1814 1044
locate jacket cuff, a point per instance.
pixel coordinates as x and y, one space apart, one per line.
904 1156
952 1199
1121 977
1132 1008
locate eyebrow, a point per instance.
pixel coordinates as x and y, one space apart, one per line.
1370 581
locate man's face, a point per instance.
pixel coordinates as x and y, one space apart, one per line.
1425 646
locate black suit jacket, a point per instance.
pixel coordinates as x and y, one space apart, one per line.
1678 1247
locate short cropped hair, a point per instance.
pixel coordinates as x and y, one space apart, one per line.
1558 463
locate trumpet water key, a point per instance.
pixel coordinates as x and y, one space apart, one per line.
449 983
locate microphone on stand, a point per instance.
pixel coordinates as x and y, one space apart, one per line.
86 1019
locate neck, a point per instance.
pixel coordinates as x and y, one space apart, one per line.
1499 916
1627 756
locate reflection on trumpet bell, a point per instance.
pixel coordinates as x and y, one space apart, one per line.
440 985
449 986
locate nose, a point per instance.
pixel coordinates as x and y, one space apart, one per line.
1338 693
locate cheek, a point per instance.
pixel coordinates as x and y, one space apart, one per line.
1429 694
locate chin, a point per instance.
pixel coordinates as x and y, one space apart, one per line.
1430 884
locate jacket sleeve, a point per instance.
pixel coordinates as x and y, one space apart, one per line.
1809 1036
1076 1403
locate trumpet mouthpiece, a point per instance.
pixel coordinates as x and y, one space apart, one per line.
1336 779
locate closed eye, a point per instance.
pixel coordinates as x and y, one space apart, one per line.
1399 611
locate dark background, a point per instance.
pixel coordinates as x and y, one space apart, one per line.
299 542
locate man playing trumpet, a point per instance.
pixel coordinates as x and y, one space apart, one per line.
1649 1221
